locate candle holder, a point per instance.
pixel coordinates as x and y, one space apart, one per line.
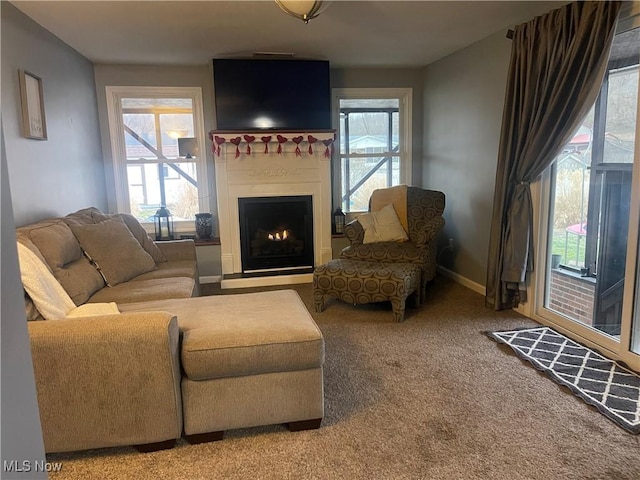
204 226
163 221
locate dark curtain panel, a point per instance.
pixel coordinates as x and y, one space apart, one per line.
557 65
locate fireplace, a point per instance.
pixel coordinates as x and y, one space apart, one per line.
276 234
269 168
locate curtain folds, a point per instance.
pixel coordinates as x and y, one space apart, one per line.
557 65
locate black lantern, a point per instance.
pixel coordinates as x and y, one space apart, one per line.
163 221
338 221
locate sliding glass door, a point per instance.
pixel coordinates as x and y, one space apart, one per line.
590 281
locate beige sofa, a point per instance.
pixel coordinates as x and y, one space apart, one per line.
168 364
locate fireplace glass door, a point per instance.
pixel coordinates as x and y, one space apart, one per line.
276 233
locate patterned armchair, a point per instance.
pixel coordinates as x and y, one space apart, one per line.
425 221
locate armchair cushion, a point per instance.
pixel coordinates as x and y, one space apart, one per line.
382 226
386 252
397 196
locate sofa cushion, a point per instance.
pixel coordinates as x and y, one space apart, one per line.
114 250
382 226
93 215
60 249
177 268
146 290
139 233
245 334
86 216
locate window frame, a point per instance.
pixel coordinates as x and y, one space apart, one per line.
405 128
537 309
114 95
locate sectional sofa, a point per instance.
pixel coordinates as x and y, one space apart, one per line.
141 359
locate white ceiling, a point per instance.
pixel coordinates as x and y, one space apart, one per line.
347 33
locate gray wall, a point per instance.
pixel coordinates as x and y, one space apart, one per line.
64 173
390 78
21 438
463 102
153 76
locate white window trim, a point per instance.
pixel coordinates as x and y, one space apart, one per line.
405 97
118 148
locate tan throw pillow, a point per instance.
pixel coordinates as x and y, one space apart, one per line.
55 243
395 195
382 226
143 237
136 228
114 250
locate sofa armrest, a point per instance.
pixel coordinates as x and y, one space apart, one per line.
354 232
428 231
107 380
175 250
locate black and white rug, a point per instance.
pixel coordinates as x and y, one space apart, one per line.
603 383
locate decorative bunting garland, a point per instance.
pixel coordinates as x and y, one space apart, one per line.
281 140
249 139
266 141
328 143
236 141
217 142
297 141
213 144
311 139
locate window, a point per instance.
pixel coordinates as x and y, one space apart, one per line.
591 187
373 143
145 125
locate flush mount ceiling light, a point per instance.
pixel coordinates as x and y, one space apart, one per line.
301 9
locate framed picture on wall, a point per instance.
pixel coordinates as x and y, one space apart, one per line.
34 124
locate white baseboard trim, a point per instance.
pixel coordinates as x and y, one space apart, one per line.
211 279
267 281
464 281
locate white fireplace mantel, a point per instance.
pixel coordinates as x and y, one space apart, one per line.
258 174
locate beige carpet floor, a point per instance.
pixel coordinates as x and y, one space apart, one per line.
429 398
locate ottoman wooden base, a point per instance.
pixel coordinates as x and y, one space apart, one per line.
359 282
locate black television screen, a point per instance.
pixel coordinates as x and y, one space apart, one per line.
269 94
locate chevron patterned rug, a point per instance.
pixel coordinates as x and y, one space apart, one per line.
611 388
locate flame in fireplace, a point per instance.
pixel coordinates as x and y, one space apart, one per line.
278 236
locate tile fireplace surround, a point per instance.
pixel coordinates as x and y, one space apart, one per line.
293 171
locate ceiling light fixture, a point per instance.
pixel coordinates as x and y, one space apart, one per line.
304 10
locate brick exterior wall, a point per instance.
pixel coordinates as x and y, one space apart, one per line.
572 296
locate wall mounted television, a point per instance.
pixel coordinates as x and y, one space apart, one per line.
272 94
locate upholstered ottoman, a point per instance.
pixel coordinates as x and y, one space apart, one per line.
248 360
358 282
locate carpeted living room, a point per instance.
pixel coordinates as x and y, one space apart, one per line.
351 239
432 397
